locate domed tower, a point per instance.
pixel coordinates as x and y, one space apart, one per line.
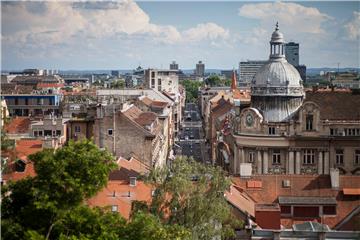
277 89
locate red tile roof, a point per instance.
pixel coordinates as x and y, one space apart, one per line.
146 118
351 191
23 149
303 186
241 200
50 85
18 125
118 190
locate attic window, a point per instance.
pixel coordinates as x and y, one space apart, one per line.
114 208
110 132
271 130
133 181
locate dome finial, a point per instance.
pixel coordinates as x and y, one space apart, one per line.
277 26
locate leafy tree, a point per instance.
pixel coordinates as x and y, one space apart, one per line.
51 205
213 80
191 194
119 84
192 89
65 178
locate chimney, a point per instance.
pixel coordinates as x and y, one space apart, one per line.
335 178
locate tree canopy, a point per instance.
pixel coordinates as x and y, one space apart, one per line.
191 194
215 81
192 89
51 205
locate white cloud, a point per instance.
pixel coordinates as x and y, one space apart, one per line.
41 25
352 28
291 16
203 31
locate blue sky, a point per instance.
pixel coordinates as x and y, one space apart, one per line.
124 34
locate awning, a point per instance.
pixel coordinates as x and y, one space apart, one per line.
351 191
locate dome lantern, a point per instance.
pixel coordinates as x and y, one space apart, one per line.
277 45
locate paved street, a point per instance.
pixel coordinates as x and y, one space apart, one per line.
191 139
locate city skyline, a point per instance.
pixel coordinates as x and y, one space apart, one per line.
122 35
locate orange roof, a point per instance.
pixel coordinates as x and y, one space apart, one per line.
241 95
146 118
26 147
118 191
18 125
351 191
50 85
239 199
23 149
303 186
147 101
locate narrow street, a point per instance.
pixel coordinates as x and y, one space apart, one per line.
191 137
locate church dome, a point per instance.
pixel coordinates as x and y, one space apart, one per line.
277 76
276 89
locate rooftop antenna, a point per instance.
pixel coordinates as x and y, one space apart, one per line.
338 64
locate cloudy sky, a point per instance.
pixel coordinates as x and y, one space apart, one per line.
124 34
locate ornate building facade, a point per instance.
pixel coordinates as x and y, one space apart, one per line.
288 130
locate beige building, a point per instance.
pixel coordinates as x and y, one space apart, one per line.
288 131
129 132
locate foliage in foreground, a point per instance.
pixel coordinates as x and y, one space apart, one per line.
50 205
191 194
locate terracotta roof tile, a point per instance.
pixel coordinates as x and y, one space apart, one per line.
239 199
118 190
146 118
303 186
18 125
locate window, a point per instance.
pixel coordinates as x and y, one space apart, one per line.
35 133
152 74
114 208
339 157
133 181
16 101
152 83
271 130
251 157
309 156
329 210
26 101
159 81
309 122
333 131
47 133
58 132
285 210
77 129
276 156
40 133
357 157
110 132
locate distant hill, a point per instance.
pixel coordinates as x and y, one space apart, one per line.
316 71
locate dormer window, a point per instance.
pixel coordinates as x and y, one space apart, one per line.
309 122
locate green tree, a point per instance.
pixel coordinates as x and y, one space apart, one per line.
119 84
51 205
192 89
213 80
191 194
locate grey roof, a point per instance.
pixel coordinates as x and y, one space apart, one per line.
307 200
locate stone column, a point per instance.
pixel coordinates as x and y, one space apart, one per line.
259 162
297 163
326 163
265 162
242 153
320 163
291 162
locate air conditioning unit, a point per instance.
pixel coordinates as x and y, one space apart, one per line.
286 183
